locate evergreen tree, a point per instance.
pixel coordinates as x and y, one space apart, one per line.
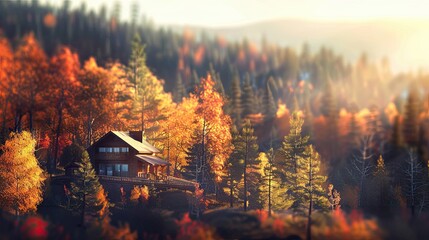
329 109
294 148
236 99
150 100
245 155
271 195
71 154
270 108
309 191
411 117
381 186
179 91
248 97
235 172
90 199
397 133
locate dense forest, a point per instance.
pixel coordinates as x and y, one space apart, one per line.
260 127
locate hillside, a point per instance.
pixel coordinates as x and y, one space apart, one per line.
401 41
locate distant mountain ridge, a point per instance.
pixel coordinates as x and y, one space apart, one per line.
403 42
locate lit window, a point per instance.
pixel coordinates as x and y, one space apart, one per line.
109 170
109 150
124 149
102 149
124 167
116 150
101 169
124 170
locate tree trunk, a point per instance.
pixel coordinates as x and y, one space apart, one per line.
309 219
57 136
231 193
269 193
245 176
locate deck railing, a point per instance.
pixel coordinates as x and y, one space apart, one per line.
169 181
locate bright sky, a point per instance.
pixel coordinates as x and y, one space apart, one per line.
220 13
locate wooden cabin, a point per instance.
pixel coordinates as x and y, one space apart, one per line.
127 154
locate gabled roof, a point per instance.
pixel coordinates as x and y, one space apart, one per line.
155 161
140 147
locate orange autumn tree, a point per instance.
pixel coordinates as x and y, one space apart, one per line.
64 68
30 76
213 132
96 98
6 66
21 177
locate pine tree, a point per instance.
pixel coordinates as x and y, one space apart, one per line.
411 117
179 91
294 148
244 165
271 195
150 100
270 108
235 172
90 199
248 97
21 177
247 148
381 185
309 182
397 133
236 100
309 191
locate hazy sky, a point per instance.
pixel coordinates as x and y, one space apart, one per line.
219 13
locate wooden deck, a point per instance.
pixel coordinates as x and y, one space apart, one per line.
170 182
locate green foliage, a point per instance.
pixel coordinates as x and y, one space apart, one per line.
309 188
236 103
270 108
89 197
71 153
245 154
293 148
248 97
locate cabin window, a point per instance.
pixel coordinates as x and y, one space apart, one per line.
124 170
113 150
101 169
109 170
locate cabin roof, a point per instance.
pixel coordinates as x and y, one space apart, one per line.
141 147
155 161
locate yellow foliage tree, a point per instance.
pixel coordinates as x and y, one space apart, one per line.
21 177
178 131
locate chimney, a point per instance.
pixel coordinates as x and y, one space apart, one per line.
136 135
